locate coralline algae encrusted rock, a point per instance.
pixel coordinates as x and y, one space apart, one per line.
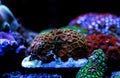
105 23
64 43
95 67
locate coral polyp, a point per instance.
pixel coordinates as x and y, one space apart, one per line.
105 23
109 44
95 67
63 43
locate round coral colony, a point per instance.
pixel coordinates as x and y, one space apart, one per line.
64 43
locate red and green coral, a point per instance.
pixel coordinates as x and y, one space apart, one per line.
64 43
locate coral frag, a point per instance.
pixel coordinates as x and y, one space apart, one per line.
64 43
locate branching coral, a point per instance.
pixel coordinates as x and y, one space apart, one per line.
95 67
64 43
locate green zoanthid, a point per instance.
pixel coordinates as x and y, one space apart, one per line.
95 67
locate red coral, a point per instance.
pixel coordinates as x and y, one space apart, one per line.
109 44
64 43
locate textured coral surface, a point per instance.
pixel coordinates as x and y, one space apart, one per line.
64 43
109 44
105 23
95 67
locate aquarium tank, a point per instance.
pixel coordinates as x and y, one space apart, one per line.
60 41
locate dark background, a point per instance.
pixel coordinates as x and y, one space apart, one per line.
42 14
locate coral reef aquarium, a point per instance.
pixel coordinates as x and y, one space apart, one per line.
59 41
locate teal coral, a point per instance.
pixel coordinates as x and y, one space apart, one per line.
95 67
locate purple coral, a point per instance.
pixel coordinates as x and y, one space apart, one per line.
105 23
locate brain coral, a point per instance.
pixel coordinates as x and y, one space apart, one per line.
64 43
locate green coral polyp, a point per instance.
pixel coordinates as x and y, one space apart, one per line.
95 67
